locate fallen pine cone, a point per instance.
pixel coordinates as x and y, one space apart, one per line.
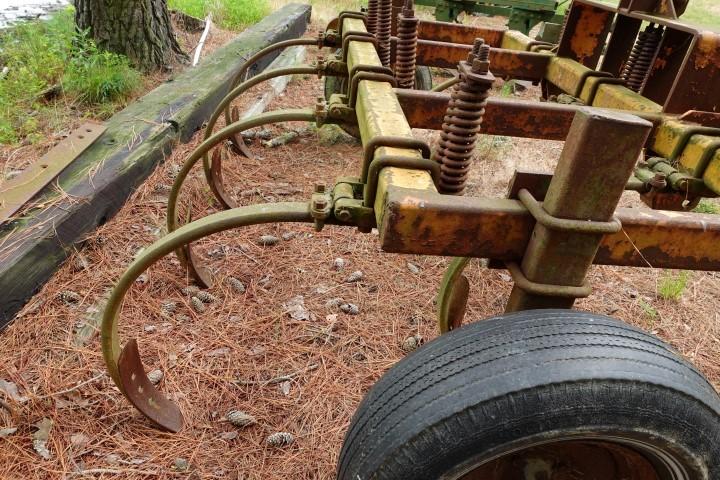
197 304
206 297
236 285
155 376
69 297
240 419
280 439
412 343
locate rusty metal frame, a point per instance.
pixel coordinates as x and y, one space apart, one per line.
578 213
16 193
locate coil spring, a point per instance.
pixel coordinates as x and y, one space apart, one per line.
384 27
406 52
461 125
372 16
637 68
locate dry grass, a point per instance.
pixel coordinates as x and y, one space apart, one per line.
250 337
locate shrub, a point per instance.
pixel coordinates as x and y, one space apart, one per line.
95 76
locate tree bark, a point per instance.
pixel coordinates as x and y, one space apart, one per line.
139 29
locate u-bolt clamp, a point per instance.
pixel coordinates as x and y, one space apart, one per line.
349 14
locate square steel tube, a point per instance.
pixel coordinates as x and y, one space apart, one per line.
426 223
379 114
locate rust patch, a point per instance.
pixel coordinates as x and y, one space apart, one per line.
707 52
590 27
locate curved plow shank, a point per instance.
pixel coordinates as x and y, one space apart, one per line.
185 254
239 147
453 295
142 394
124 365
241 76
231 117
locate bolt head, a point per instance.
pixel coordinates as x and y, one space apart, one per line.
319 188
320 203
480 67
344 215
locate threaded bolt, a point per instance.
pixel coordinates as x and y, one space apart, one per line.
659 181
481 64
408 9
479 42
475 50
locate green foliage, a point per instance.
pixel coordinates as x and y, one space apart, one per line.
35 55
672 287
95 76
229 14
50 55
648 309
706 206
507 89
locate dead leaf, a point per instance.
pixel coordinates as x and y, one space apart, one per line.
285 387
229 435
41 436
218 352
6 432
79 440
11 390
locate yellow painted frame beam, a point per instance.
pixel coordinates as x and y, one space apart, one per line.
379 114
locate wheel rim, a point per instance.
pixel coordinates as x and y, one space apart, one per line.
575 459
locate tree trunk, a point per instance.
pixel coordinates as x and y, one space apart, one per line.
139 29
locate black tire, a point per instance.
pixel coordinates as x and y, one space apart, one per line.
541 384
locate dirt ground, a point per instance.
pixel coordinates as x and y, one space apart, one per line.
230 357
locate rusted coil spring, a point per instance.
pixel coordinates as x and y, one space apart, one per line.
638 66
461 126
372 16
406 52
384 28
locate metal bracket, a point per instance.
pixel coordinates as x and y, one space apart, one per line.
391 142
373 77
349 14
328 38
321 205
348 206
359 37
384 161
564 224
685 137
544 289
584 77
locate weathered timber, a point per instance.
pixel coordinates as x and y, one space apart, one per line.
100 180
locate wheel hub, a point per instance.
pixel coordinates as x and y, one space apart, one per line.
571 460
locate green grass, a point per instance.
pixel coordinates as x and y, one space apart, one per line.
672 287
229 14
52 55
706 206
648 309
704 13
323 10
